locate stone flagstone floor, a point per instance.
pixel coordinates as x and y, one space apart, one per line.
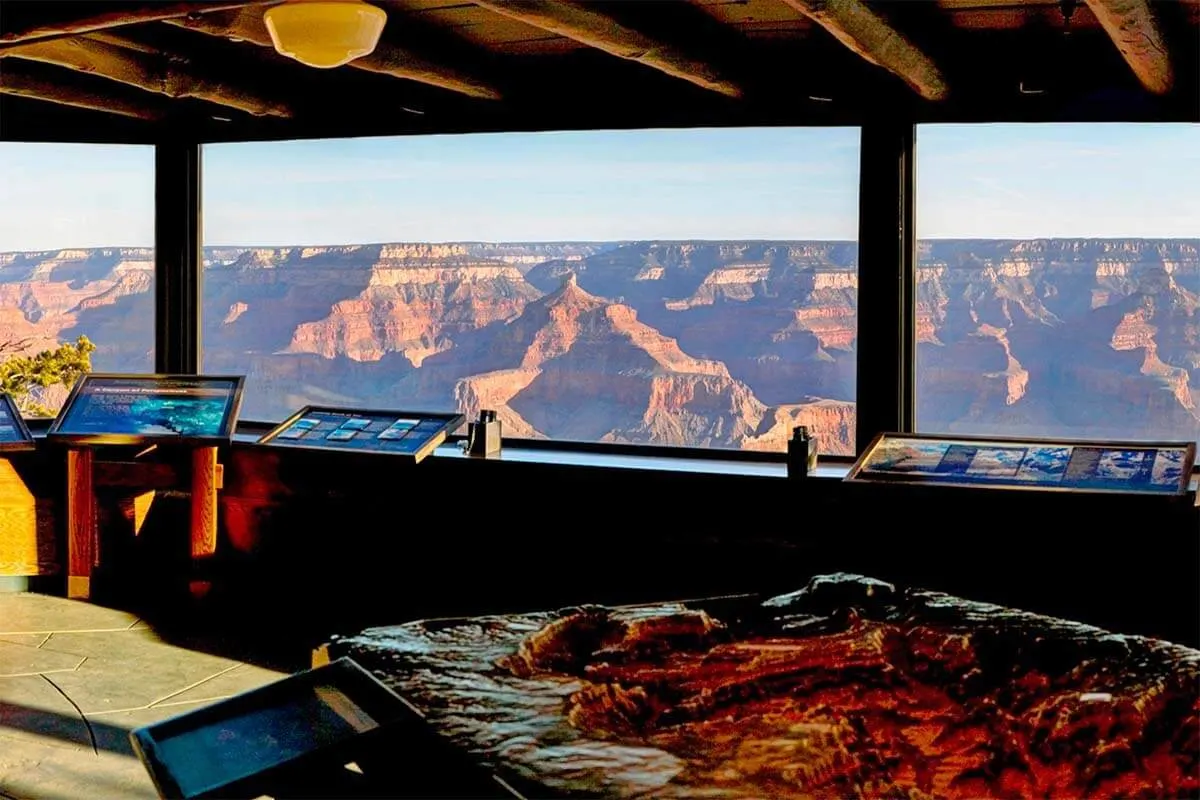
75 678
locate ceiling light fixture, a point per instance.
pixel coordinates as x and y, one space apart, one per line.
325 33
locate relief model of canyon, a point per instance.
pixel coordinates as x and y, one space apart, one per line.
698 343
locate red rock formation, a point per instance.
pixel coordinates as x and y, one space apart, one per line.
1134 332
235 311
49 298
415 304
794 306
711 342
493 390
832 422
1099 338
582 367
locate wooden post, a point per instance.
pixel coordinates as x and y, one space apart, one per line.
22 550
82 515
206 479
82 549
204 501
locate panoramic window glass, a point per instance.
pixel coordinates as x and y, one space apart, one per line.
1058 280
76 267
684 288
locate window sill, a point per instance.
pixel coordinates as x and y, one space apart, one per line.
551 456
655 463
835 471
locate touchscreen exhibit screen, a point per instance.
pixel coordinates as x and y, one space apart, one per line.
151 406
226 750
351 430
11 431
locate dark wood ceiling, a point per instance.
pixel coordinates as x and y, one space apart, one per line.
145 71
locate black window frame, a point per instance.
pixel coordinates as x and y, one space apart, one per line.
178 263
887 253
885 395
885 202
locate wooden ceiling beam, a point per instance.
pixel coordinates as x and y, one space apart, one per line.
129 15
17 80
870 36
117 40
595 29
1132 27
248 26
158 74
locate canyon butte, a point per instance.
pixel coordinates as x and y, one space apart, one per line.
697 343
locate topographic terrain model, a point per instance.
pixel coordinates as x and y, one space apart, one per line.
847 688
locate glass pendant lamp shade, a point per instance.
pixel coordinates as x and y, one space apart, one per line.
325 33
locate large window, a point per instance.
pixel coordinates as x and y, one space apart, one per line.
1058 281
692 288
76 266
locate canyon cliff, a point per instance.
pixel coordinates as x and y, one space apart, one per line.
1092 338
698 343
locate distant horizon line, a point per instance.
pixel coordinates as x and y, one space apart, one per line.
609 241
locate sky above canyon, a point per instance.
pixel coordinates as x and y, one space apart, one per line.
989 181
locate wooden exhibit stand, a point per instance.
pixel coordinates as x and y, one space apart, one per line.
86 473
26 527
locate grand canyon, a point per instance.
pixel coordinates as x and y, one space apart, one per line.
724 344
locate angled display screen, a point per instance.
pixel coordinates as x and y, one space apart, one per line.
124 409
13 433
1127 467
228 749
237 747
412 434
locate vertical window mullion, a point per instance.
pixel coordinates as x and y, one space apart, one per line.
886 255
178 264
908 280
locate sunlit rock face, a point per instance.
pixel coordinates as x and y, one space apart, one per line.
107 294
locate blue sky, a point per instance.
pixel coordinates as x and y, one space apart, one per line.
1002 181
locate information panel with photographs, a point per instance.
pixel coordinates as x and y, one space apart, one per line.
1127 467
413 434
14 435
130 409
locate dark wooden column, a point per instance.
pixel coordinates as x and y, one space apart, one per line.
178 263
82 545
886 276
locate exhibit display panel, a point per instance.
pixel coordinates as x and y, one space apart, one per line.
129 409
849 687
14 435
232 747
1123 467
414 434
